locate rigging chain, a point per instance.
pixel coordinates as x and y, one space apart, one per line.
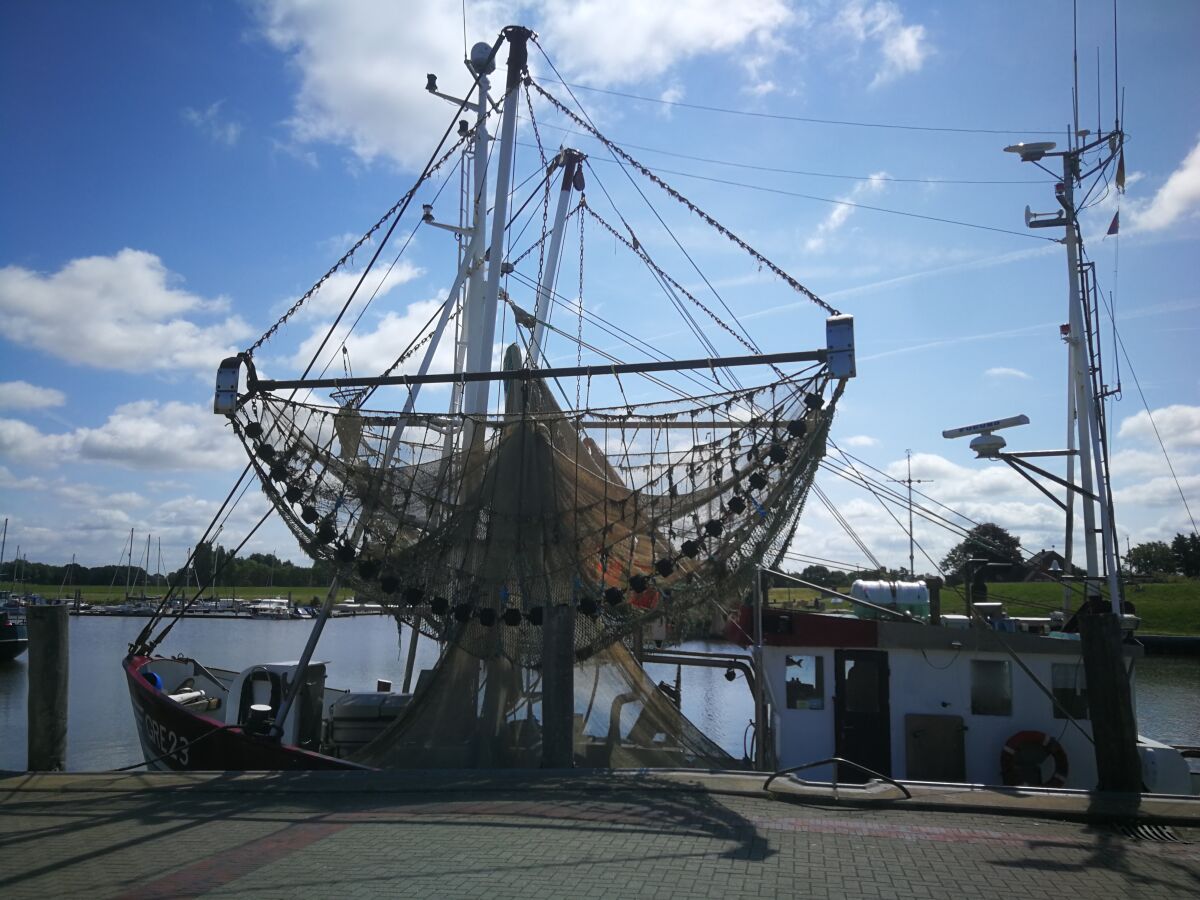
349 254
579 304
640 251
587 126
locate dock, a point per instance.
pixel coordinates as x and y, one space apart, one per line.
577 834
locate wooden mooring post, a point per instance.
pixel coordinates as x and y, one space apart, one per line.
1118 765
558 687
49 654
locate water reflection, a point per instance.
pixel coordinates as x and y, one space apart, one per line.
360 650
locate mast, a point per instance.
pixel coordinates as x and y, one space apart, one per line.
479 351
1092 462
572 178
1069 536
1080 381
910 481
146 571
129 565
483 64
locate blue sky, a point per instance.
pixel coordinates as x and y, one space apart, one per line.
175 174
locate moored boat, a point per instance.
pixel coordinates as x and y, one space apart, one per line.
14 637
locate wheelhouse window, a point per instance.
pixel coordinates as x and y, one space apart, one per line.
805 680
1070 690
991 687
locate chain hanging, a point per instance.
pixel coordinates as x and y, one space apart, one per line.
579 302
587 126
349 254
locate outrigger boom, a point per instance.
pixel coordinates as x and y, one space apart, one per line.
524 374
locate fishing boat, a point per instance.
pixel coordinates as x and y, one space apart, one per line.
541 539
896 689
539 525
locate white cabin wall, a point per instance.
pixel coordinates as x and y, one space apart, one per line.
936 682
801 735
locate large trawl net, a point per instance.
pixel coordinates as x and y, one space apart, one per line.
472 713
470 528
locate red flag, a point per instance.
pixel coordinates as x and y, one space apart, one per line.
1116 223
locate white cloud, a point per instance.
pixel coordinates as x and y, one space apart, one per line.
1178 198
624 41
1178 425
361 65
22 443
842 211
209 122
334 292
861 440
672 94
903 48
762 88
1161 492
1005 372
126 305
23 395
143 435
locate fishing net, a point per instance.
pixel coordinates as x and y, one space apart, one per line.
470 528
471 713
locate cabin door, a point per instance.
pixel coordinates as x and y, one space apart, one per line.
862 713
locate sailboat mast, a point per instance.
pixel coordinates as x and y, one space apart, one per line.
129 565
146 571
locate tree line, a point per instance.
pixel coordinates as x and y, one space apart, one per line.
1158 558
210 563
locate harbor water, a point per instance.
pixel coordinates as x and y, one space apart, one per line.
360 650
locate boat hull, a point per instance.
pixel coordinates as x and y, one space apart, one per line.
176 739
11 648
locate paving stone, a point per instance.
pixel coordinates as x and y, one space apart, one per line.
221 836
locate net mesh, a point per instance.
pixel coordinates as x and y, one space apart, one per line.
452 521
471 712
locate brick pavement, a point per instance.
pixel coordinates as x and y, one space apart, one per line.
449 835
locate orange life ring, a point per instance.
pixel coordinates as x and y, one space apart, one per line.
1023 760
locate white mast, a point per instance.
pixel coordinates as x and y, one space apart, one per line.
572 177
479 350
1090 453
483 64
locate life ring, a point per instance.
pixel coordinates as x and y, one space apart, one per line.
1023 760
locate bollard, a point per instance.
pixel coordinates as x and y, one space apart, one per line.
48 670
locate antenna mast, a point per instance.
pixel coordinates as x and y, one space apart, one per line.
910 481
